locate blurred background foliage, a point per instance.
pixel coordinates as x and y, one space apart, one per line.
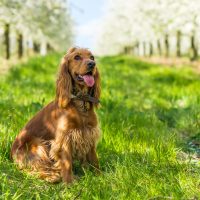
162 28
28 26
151 27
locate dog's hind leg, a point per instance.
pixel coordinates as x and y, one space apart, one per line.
33 157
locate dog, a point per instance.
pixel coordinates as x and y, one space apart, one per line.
67 128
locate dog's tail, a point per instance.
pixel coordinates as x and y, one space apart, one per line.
34 159
47 171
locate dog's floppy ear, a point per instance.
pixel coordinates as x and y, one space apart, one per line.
63 84
97 86
64 81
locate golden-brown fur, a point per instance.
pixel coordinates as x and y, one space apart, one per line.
64 130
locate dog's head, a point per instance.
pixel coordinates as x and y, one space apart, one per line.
78 67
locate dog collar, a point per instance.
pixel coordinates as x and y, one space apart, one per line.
86 98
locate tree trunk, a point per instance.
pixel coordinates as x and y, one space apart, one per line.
134 47
159 48
167 45
27 48
49 47
7 40
20 45
125 50
178 44
36 47
144 48
150 49
194 50
137 49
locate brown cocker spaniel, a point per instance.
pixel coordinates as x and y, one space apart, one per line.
67 128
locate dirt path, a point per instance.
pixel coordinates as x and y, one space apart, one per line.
174 62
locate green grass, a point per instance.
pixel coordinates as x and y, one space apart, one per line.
149 116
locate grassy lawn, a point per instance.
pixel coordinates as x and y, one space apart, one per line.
150 121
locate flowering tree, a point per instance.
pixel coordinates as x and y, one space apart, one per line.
38 22
163 27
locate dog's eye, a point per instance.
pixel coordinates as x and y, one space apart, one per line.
77 57
92 57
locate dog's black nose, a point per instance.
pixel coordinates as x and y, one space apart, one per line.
91 65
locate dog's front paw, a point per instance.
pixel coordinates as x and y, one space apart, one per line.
68 179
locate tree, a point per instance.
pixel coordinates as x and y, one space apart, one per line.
46 22
151 22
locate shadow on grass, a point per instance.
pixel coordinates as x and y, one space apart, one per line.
10 171
129 61
171 78
181 122
140 163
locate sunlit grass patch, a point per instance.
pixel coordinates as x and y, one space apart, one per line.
149 115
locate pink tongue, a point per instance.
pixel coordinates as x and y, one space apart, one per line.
89 80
